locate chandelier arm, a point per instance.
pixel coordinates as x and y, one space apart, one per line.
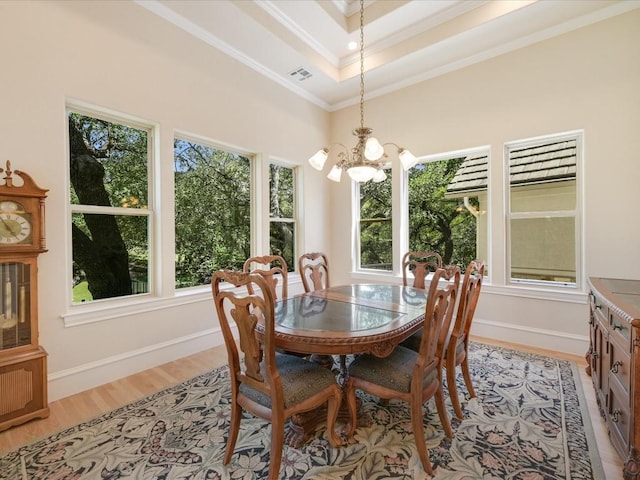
367 159
337 144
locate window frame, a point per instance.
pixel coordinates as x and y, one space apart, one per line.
152 129
576 213
253 185
465 152
297 207
357 231
400 213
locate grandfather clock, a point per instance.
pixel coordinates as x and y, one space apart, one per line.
23 363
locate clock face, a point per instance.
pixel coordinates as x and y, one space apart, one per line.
14 228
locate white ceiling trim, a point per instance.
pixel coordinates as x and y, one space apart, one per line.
188 26
157 8
289 24
496 51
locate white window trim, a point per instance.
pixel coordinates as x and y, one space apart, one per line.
576 213
400 214
297 207
81 310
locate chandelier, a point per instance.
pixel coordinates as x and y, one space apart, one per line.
367 159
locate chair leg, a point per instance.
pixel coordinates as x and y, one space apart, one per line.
333 405
442 412
418 433
234 428
466 373
453 390
277 445
350 396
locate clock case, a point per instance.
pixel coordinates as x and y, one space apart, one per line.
23 362
31 197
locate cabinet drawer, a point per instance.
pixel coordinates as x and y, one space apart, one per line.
620 331
620 366
598 308
619 418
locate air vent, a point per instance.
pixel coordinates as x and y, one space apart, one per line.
300 74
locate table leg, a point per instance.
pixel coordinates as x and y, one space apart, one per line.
303 426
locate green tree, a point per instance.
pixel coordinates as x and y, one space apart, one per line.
108 167
435 222
376 224
212 211
281 206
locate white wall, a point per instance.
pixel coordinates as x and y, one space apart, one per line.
587 79
120 56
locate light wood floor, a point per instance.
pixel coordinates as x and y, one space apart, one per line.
91 403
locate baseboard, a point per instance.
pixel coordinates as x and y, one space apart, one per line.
68 382
89 375
532 337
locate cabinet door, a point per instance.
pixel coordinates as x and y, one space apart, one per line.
18 328
599 360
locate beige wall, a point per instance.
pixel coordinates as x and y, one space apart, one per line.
587 79
119 56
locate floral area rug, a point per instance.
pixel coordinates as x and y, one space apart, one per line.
528 422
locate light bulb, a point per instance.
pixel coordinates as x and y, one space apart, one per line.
407 158
318 158
380 176
373 150
335 173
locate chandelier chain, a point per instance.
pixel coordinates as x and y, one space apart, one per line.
362 64
367 159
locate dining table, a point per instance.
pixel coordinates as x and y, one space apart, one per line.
345 320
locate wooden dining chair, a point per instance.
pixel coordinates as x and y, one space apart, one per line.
452 274
268 384
276 268
456 345
419 264
413 377
314 271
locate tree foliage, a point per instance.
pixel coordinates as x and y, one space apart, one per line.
212 211
281 213
108 165
436 223
376 224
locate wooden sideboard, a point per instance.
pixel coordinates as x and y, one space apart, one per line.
614 363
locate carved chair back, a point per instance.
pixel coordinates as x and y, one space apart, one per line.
272 268
419 264
314 271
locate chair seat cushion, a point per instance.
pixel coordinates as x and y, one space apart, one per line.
300 379
392 372
413 343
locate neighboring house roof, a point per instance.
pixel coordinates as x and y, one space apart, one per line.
550 162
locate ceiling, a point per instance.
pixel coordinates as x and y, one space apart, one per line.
302 44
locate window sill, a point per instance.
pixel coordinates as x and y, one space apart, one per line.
99 311
109 310
560 294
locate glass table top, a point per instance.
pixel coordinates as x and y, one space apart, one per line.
351 308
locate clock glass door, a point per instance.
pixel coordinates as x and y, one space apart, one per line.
15 325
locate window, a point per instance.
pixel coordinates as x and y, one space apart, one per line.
543 220
110 213
212 211
282 223
376 225
447 206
